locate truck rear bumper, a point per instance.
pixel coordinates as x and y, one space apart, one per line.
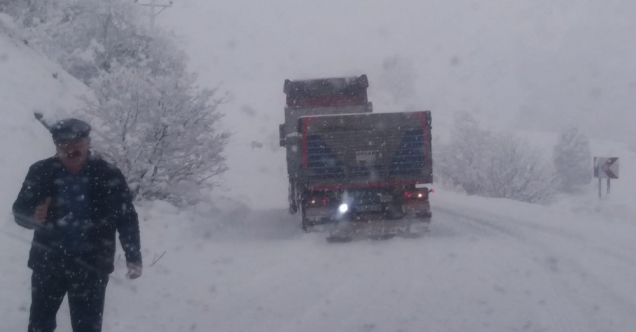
325 215
320 215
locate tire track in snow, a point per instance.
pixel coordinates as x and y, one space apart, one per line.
480 275
568 319
541 241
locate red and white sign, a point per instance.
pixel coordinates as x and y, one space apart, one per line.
606 168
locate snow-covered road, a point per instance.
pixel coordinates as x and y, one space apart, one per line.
524 269
517 267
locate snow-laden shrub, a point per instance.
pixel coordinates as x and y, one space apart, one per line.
148 115
159 130
84 36
572 160
494 164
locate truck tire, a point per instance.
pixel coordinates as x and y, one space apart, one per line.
304 223
293 205
394 211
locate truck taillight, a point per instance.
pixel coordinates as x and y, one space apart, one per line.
416 194
319 201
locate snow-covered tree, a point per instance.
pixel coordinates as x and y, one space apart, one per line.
84 36
398 78
460 161
147 113
572 160
494 164
25 11
160 130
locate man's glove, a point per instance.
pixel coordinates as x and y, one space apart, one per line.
42 210
134 270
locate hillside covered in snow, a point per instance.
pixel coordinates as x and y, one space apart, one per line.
486 264
29 83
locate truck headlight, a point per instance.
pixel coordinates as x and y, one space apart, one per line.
343 208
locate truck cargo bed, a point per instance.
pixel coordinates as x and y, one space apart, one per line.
365 150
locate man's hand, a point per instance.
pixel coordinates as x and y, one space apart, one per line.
42 210
134 270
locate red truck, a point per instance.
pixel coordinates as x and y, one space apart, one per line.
350 167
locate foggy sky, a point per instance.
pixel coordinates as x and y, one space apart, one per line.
553 62
525 64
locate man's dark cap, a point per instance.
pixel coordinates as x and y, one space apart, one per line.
69 129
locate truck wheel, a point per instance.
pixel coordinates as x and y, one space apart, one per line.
293 205
395 211
304 223
426 217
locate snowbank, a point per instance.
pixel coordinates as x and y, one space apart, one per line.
620 203
28 82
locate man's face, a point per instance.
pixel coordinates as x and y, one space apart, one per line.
73 153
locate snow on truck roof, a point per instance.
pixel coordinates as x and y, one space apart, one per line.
361 114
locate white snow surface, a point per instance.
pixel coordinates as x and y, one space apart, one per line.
486 265
28 83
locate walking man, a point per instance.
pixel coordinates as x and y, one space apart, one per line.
75 202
